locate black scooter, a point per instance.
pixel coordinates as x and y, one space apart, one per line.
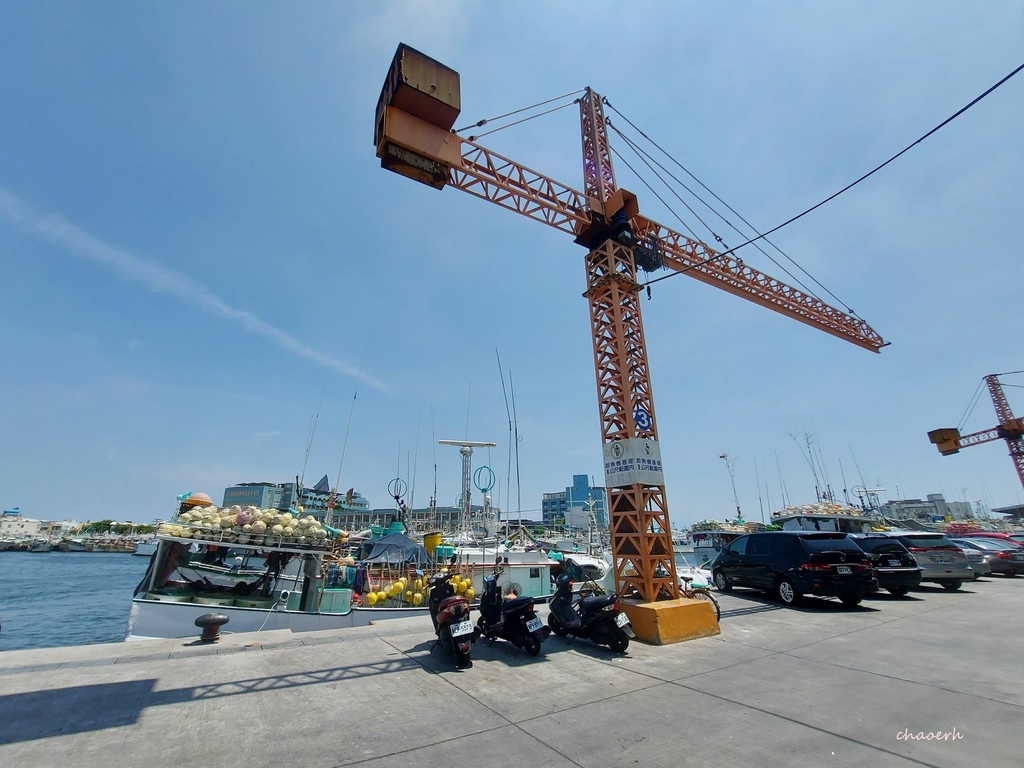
596 617
510 617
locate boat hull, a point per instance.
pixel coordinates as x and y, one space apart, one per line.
153 619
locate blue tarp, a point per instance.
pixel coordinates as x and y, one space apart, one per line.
396 549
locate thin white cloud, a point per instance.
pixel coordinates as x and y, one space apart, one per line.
57 230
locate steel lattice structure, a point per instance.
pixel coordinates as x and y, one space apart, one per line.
418 106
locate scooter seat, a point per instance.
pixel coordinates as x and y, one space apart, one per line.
595 602
516 604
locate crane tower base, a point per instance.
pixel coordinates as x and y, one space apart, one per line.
671 621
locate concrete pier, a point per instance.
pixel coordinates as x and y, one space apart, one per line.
930 680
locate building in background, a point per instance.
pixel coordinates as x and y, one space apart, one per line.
572 507
314 501
933 508
13 525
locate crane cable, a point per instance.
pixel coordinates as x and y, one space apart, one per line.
852 184
486 120
717 237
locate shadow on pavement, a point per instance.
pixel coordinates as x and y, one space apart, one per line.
60 711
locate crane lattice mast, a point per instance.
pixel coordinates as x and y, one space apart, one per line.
1011 429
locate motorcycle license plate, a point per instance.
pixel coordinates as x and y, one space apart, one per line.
534 624
843 569
622 619
462 628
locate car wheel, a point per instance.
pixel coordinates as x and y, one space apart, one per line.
786 592
899 591
952 586
721 582
851 600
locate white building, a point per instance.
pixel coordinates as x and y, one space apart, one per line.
14 526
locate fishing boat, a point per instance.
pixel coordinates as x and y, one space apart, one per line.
826 516
281 576
294 574
712 536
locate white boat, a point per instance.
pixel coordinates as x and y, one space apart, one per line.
688 565
273 587
529 570
145 547
824 516
712 536
40 545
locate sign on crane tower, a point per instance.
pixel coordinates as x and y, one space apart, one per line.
418 106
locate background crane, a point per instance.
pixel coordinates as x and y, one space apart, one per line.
418 106
1010 429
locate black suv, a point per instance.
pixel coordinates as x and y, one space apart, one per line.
793 563
894 567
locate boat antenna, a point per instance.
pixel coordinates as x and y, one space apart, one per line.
508 413
730 462
757 480
842 472
515 422
433 497
415 462
312 431
351 411
810 462
782 483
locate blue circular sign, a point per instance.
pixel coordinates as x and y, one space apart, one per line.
642 418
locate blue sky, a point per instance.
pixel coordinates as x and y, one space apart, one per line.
198 243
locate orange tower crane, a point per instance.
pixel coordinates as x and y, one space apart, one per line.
1010 429
418 106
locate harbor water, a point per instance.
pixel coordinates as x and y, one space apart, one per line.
65 598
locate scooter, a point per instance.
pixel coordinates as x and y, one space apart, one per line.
596 617
449 613
509 617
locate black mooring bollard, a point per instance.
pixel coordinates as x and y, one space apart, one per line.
211 624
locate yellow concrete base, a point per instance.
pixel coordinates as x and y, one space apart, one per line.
671 621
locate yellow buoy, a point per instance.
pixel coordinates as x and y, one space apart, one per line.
408 596
417 599
470 594
371 599
460 587
382 596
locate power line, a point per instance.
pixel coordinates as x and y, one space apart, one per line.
852 184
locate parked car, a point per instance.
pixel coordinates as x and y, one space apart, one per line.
1005 538
942 561
1018 537
1004 558
790 564
894 567
978 560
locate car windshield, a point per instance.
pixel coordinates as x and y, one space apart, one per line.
929 542
825 542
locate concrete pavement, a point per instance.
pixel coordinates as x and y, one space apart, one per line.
816 685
